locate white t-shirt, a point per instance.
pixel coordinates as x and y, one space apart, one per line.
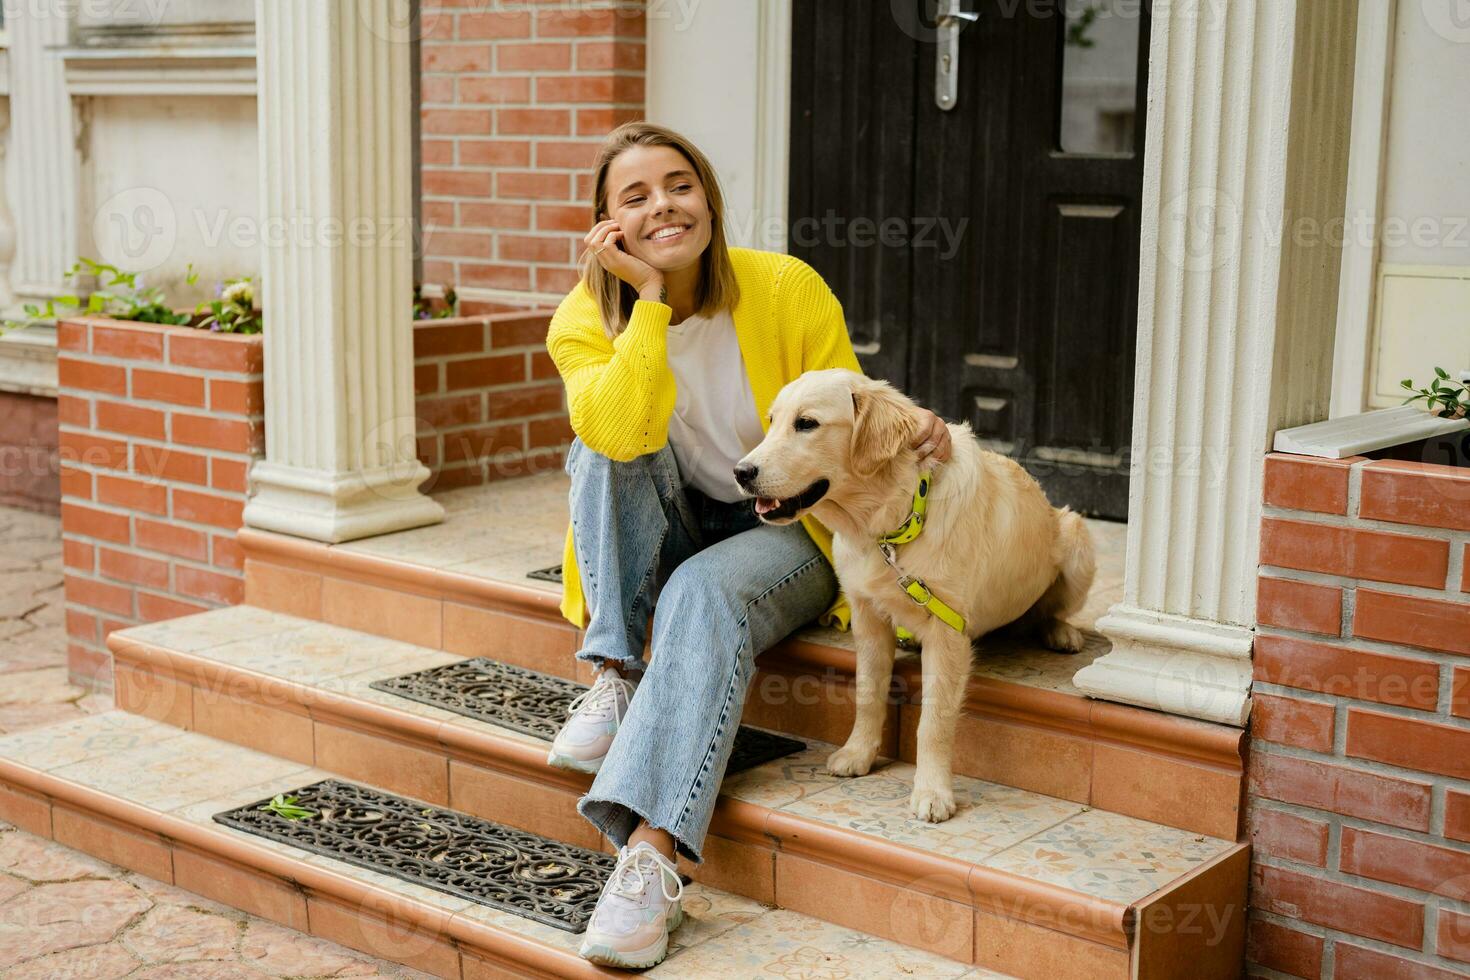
714 422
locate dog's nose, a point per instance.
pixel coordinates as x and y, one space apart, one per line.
745 474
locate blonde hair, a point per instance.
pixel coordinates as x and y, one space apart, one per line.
716 289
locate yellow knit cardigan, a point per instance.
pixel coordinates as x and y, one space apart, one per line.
621 392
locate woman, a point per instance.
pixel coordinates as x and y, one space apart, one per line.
671 348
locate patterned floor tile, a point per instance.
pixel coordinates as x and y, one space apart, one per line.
709 914
1108 855
785 780
990 817
190 634
318 652
100 735
787 945
177 771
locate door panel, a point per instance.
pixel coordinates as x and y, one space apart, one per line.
1025 326
852 158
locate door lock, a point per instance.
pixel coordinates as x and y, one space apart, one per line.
951 20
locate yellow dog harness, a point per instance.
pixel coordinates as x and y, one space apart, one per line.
912 584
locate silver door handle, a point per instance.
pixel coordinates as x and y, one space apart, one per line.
950 22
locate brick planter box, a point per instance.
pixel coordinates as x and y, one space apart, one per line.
158 427
1359 781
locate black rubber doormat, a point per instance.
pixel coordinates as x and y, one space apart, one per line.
512 870
552 574
535 703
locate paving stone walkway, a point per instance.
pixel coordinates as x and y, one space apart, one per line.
65 914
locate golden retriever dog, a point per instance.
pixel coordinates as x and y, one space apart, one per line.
992 548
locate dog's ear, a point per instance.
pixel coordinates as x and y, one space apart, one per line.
883 426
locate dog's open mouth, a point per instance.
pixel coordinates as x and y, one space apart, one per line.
774 509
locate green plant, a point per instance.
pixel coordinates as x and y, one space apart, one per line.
233 311
1077 31
120 295
423 308
288 808
1445 397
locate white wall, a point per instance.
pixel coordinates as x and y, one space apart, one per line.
172 180
1414 314
718 72
1427 176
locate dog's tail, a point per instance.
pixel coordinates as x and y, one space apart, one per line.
1076 563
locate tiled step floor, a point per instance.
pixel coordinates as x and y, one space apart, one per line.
1102 854
504 530
1095 856
172 777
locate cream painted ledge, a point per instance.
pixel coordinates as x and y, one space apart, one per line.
161 70
28 361
1184 666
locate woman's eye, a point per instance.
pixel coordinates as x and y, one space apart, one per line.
805 424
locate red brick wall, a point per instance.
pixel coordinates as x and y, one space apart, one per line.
515 98
490 403
158 427
29 475
1359 778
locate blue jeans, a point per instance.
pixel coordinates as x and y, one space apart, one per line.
728 587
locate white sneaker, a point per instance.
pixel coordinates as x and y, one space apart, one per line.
594 719
637 910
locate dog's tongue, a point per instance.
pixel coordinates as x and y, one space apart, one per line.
764 505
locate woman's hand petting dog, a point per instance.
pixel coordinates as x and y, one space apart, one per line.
932 439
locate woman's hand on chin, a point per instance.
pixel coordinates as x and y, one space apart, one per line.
932 440
605 241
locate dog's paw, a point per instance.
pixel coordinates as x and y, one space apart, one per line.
933 805
848 761
1062 637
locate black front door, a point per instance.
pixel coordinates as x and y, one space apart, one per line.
986 254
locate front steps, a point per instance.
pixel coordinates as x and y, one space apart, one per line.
461 587
1102 842
1017 882
141 794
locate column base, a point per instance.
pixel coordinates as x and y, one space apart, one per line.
1189 667
338 507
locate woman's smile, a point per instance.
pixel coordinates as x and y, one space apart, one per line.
668 233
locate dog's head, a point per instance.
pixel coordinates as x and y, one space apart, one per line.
829 429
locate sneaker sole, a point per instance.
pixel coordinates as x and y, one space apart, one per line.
559 761
638 959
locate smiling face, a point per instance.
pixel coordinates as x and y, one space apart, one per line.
658 201
831 432
805 449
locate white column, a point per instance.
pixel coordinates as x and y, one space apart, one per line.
1246 160
336 199
7 219
43 159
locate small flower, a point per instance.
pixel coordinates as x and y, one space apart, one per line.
239 293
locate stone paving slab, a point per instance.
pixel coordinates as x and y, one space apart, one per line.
66 914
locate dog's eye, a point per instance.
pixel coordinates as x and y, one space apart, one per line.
805 424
